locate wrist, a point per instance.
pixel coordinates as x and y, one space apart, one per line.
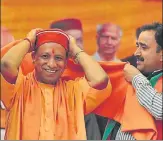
75 51
76 59
30 43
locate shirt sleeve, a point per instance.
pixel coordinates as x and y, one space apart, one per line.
8 90
148 96
93 97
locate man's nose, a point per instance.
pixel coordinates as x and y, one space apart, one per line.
52 63
138 52
109 40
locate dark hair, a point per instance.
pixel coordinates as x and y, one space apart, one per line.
157 27
158 37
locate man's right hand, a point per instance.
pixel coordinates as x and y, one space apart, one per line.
32 36
73 48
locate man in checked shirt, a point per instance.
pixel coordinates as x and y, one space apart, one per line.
149 61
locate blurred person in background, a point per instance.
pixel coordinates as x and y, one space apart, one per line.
108 42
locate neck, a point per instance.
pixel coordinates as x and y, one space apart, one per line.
106 57
37 78
147 74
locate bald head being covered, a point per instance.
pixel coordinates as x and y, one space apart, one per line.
72 27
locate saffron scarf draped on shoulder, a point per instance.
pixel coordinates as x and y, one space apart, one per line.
121 106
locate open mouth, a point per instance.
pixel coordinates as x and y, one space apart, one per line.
51 71
139 61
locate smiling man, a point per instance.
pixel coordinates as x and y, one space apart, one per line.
43 106
149 61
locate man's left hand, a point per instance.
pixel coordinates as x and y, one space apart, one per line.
130 71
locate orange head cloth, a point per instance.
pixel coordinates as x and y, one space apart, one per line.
54 36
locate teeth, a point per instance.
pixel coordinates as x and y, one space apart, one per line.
50 71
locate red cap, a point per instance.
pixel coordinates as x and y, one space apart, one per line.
54 36
67 24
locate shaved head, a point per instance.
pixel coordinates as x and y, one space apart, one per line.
102 28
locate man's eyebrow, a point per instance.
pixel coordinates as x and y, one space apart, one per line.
141 44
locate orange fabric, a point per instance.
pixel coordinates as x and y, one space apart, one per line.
68 106
136 119
158 123
47 115
3 118
5 90
122 105
158 85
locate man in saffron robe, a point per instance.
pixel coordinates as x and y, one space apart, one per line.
74 28
45 106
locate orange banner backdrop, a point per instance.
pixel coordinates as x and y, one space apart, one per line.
21 16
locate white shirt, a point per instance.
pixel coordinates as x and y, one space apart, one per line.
97 57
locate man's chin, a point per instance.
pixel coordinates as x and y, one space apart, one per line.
50 81
109 52
140 68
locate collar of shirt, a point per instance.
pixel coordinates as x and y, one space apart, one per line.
154 73
97 57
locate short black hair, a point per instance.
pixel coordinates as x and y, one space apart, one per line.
157 27
159 37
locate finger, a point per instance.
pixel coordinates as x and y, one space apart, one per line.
128 62
39 29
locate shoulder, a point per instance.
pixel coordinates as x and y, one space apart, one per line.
96 56
158 85
73 82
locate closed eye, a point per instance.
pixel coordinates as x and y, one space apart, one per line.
144 47
114 38
58 58
45 56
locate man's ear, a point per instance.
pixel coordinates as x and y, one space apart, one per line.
97 39
33 54
66 63
161 55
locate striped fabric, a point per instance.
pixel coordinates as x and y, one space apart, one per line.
149 98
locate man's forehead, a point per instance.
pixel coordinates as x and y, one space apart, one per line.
50 46
109 29
146 37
